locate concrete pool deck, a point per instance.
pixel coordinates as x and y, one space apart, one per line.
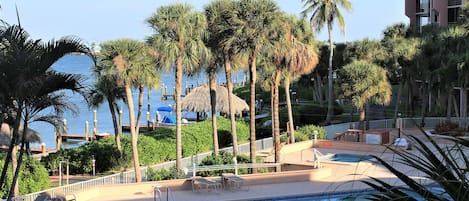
331 177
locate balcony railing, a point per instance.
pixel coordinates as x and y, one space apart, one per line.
454 2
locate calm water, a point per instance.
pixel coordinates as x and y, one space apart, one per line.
78 64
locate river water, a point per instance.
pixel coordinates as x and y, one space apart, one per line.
79 64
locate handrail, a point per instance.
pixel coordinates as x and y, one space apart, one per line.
169 195
157 192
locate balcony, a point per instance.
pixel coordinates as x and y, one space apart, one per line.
454 2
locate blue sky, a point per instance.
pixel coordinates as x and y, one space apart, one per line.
101 20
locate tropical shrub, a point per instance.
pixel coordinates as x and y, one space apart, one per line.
33 177
225 158
164 174
306 133
308 130
449 128
153 147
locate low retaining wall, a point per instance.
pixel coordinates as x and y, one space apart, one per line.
352 146
183 184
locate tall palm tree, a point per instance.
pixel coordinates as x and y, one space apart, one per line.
325 12
107 89
146 75
220 15
179 33
289 56
124 57
253 29
32 86
302 59
400 50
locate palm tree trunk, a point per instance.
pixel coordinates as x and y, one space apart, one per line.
398 100
12 146
361 125
116 127
141 89
252 107
330 100
229 84
16 164
289 108
318 81
425 101
213 103
276 118
178 114
450 101
133 133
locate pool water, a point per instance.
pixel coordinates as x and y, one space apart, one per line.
350 158
345 196
358 195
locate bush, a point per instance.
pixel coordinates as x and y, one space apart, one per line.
164 174
153 147
80 159
447 127
306 133
33 177
225 158
309 131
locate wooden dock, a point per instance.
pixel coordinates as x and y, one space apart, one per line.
98 136
144 128
67 136
33 150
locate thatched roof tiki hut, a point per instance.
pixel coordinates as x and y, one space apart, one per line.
198 100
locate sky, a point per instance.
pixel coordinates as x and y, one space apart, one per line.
96 21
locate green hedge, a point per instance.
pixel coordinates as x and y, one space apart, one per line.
306 133
33 177
153 147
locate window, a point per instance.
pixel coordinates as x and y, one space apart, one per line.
453 14
454 2
422 6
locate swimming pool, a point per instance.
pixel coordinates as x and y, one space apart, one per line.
357 195
343 157
343 196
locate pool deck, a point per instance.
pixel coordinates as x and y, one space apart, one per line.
344 177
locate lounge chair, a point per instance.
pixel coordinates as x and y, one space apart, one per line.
61 196
233 182
201 183
42 197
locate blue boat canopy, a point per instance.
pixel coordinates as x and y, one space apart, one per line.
168 119
164 109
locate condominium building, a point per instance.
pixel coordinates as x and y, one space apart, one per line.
424 12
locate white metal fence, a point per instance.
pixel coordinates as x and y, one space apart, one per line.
266 143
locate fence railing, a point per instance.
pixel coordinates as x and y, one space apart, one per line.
266 143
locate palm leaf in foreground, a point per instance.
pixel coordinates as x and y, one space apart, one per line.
445 166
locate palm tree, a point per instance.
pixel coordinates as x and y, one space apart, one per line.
179 33
123 58
302 59
220 15
325 12
365 82
32 86
253 30
400 50
106 88
146 75
289 56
